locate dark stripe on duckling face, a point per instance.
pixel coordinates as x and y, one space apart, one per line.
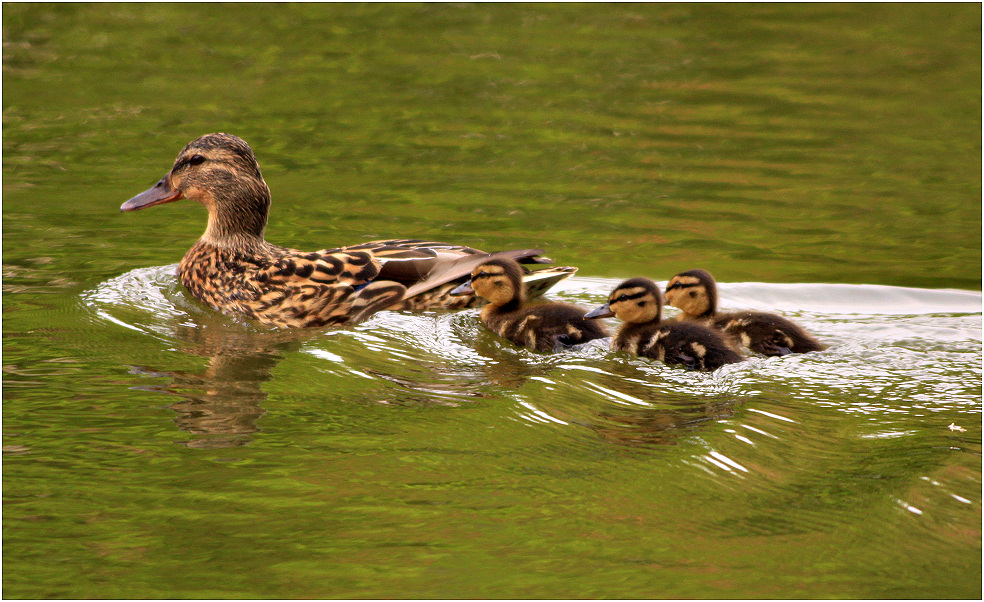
626 295
484 274
677 284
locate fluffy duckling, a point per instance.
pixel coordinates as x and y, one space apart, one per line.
639 304
695 294
541 327
234 270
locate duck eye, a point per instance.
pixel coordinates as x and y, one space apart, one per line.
196 160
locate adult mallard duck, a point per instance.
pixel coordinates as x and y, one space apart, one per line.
639 304
234 270
694 292
541 327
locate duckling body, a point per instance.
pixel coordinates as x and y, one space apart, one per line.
541 327
694 292
234 270
638 302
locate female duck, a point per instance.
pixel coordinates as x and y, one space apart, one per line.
233 269
695 294
639 304
541 327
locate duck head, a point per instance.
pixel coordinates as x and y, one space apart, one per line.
499 281
220 172
693 292
637 300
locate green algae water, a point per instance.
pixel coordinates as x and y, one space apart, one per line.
823 161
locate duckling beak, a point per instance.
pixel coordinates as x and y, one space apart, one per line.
160 193
463 289
599 312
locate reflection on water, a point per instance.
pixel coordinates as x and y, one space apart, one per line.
642 426
222 403
877 428
419 456
892 350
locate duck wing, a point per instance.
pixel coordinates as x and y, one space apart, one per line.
330 287
410 260
409 244
423 265
538 282
397 245
348 284
456 268
410 248
335 266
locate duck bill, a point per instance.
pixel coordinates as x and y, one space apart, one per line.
599 312
463 289
161 193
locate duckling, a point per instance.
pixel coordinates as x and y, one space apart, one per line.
638 302
234 270
541 327
694 292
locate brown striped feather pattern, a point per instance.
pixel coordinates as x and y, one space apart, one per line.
234 270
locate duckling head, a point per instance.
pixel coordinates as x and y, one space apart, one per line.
220 172
499 281
636 300
693 292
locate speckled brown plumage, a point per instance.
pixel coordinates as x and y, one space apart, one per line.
638 303
284 288
234 270
694 292
541 327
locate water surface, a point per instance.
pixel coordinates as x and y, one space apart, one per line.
822 160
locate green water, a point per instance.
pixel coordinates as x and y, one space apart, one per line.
824 161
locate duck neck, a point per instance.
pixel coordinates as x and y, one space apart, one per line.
709 312
626 333
239 218
508 307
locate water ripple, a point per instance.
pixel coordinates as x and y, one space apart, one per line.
892 351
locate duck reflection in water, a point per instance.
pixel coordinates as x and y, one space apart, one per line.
627 406
662 424
445 376
222 404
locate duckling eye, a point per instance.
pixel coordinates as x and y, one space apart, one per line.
196 160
